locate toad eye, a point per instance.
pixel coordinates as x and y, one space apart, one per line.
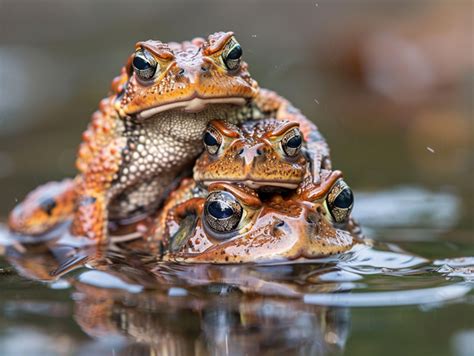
232 55
212 141
340 201
222 211
144 65
292 142
48 205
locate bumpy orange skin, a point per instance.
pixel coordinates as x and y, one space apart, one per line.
188 70
252 154
145 134
277 229
282 109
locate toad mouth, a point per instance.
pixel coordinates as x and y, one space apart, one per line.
255 184
191 105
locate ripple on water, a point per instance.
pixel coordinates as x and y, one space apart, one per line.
367 276
155 307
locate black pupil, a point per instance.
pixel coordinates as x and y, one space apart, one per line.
141 63
220 210
294 142
48 205
235 53
345 199
210 140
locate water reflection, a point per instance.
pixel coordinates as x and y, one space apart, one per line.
250 325
132 303
178 309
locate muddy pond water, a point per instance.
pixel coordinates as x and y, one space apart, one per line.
391 297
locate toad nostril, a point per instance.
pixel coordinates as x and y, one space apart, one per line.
204 69
276 228
259 152
181 71
239 153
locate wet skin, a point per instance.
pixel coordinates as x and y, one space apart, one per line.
230 223
259 154
149 130
232 218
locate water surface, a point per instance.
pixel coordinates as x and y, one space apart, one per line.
394 297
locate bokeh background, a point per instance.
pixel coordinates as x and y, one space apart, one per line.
389 83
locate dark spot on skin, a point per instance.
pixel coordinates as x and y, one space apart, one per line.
120 93
313 221
48 205
87 201
138 210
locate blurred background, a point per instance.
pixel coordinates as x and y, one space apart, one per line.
389 83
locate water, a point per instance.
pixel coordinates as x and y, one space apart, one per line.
118 302
397 297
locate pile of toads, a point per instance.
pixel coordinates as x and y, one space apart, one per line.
263 188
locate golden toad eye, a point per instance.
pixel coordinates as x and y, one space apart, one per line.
222 212
144 65
292 142
212 140
232 55
340 201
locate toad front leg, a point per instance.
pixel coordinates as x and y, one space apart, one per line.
91 215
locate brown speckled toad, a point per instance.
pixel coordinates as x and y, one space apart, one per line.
259 154
149 130
231 223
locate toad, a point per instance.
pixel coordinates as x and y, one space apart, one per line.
231 223
148 131
259 154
